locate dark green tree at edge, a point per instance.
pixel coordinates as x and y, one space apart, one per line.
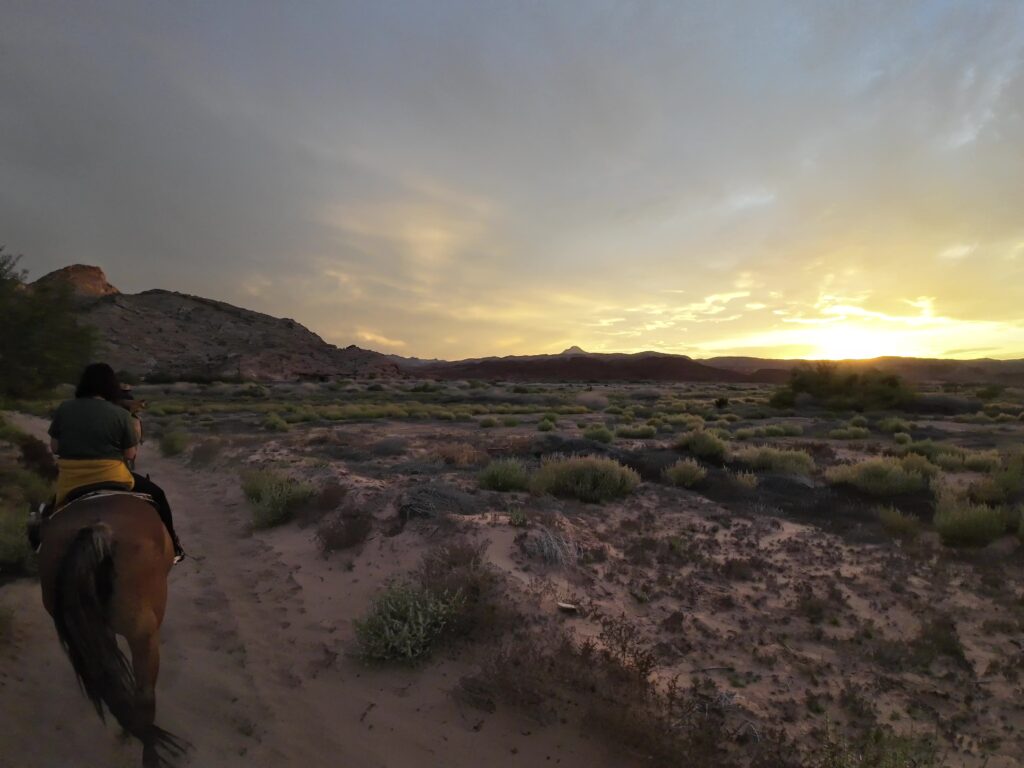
42 343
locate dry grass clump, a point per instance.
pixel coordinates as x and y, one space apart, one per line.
982 461
587 478
899 524
962 523
791 462
704 445
685 473
902 438
893 424
550 547
460 454
884 476
275 497
748 480
488 422
1003 484
504 475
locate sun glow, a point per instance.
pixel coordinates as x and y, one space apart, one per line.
847 341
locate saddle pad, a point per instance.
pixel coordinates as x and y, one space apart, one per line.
99 495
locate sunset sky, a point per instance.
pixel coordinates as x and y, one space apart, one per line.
457 179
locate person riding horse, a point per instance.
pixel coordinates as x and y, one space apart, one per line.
96 442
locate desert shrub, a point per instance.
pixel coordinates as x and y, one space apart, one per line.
876 748
274 497
545 426
344 528
902 438
488 422
504 475
687 421
858 421
703 445
510 421
793 462
592 401
881 476
1002 484
273 422
587 478
962 523
206 453
951 462
598 434
892 425
914 462
459 567
850 433
842 388
685 473
390 446
404 622
636 432
748 480
460 454
898 523
982 461
173 442
932 450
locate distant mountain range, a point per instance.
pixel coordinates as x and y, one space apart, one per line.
168 335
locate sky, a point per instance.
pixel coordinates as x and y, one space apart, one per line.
461 179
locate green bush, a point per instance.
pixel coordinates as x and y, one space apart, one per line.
792 462
598 434
545 425
404 623
173 442
841 387
274 423
858 421
510 421
882 476
488 422
587 478
962 523
892 425
902 438
274 496
914 462
850 433
899 524
703 445
1002 484
685 473
636 432
504 475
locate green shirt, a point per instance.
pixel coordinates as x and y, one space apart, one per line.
89 428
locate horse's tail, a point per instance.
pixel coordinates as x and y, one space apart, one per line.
85 583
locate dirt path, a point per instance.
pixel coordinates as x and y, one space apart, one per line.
254 671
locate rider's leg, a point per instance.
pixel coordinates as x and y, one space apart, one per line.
145 485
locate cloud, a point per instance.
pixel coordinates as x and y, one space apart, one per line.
464 176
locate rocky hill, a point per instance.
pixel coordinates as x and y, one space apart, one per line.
166 335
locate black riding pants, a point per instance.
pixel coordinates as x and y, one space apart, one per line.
145 485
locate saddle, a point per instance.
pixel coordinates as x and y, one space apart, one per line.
48 510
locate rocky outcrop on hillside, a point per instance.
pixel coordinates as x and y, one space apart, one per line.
166 335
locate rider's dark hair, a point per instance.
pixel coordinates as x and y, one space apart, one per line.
98 380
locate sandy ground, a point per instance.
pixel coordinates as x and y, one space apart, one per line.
254 665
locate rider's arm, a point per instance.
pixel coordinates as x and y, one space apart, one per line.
130 453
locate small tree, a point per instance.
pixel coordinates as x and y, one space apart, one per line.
41 342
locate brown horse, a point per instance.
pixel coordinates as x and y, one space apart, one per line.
103 565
